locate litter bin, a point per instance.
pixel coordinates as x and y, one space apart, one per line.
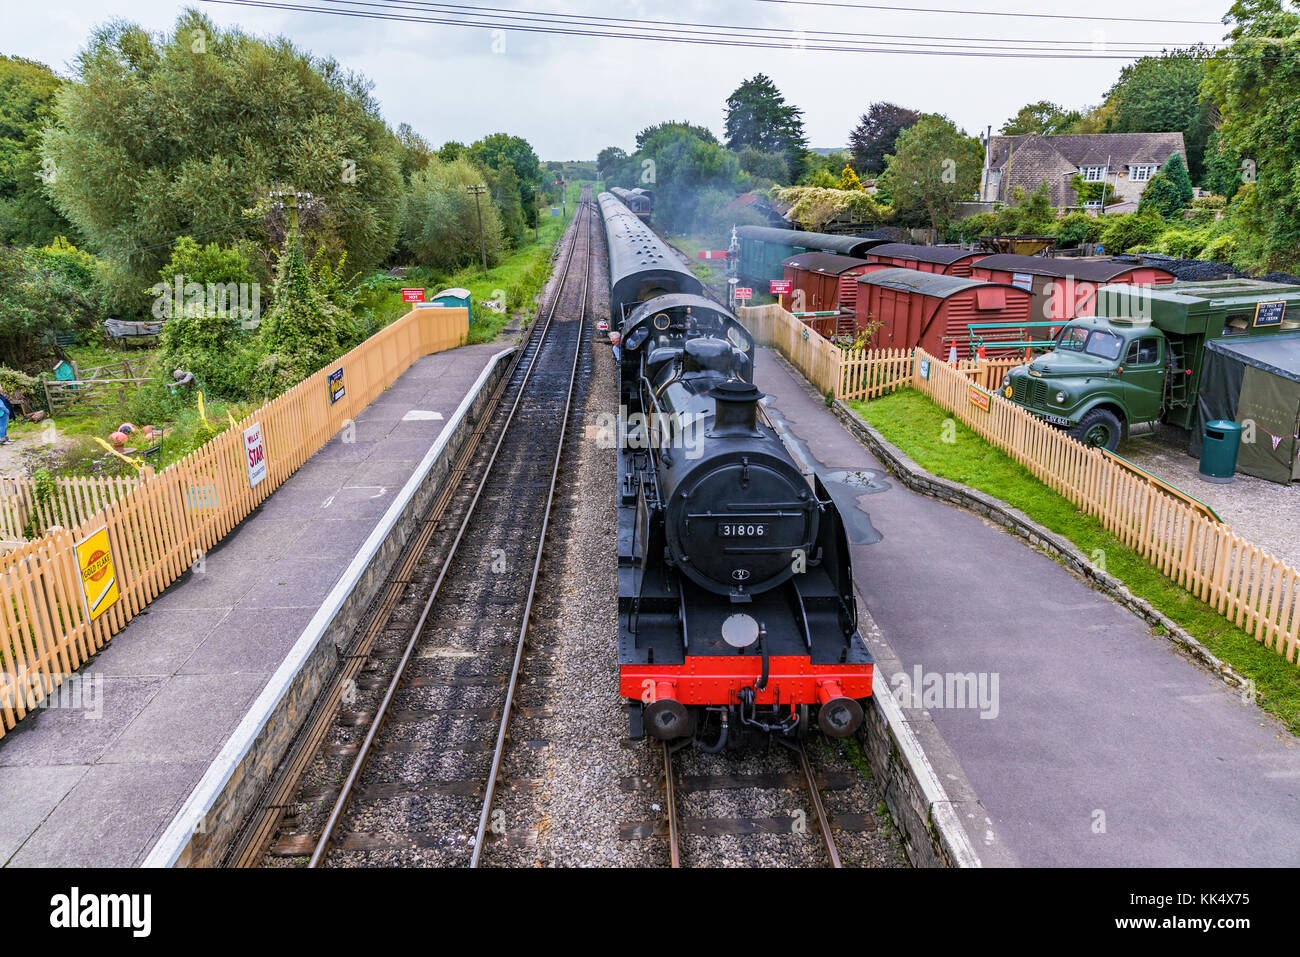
1219 447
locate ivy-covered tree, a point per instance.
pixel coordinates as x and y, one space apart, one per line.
1170 190
302 330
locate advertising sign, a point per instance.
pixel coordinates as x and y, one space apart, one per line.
98 576
254 454
979 398
336 385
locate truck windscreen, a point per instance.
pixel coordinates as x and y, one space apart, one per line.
1095 342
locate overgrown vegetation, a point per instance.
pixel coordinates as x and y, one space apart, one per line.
918 426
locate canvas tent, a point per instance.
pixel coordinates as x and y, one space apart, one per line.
1256 382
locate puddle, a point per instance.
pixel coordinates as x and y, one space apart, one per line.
864 480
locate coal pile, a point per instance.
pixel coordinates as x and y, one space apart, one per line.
1283 277
1192 270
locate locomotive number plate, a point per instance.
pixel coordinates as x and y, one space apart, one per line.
741 529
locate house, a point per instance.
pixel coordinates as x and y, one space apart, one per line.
1125 161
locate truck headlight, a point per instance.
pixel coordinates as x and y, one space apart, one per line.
1006 380
1060 398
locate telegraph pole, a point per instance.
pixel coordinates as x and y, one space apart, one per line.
476 192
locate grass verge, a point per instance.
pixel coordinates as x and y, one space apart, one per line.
917 426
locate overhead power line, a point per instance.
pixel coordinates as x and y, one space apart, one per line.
628 23
988 13
644 30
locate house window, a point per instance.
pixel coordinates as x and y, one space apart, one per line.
1092 174
1092 204
1140 174
994 176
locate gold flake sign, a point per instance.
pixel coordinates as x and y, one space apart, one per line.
98 576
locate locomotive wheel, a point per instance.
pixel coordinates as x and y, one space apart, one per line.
667 719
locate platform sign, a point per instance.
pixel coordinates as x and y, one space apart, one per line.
1270 313
780 287
254 454
744 292
925 368
412 295
979 398
337 391
98 576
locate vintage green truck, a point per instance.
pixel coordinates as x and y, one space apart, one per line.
1139 359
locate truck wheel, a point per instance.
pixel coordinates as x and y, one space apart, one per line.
1099 427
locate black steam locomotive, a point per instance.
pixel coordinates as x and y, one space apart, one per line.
736 609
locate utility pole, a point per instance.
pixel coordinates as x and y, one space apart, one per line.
476 192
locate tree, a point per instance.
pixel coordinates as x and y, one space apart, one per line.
173 135
27 91
764 166
1170 190
1162 94
609 159
759 117
680 162
1223 167
500 148
1043 117
876 134
1255 81
36 303
440 222
934 167
849 179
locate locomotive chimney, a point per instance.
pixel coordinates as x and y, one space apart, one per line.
735 408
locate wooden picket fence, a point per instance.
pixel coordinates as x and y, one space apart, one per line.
159 526
1178 535
849 374
74 501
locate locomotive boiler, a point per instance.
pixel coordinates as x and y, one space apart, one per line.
736 611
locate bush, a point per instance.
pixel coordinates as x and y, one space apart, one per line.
1077 228
1122 231
972 228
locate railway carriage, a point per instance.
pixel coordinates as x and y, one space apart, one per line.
737 619
641 202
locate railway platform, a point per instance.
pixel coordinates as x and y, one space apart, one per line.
1089 741
176 706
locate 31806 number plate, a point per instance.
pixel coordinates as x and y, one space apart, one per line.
741 529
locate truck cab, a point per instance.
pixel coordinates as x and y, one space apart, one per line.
1100 376
1139 359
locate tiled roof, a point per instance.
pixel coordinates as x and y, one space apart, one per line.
1034 158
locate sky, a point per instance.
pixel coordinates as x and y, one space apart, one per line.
571 95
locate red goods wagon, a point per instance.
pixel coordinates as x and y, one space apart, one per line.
823 282
945 260
1064 288
932 311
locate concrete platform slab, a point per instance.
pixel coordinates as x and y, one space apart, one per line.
179 679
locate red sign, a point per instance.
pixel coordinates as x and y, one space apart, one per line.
780 287
744 292
412 295
713 254
979 398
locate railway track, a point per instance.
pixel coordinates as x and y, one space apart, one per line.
766 789
400 760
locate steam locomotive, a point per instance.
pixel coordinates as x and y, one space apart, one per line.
737 620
